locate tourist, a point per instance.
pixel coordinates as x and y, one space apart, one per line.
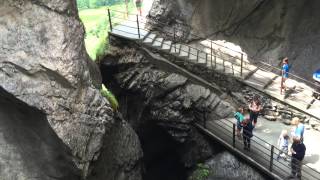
240 116
247 133
255 108
298 151
298 129
127 8
283 143
284 74
139 6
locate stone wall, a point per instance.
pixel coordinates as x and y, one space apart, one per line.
265 30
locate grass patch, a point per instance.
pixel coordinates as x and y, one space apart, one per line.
96 24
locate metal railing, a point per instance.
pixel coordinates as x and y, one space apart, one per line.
237 66
261 151
212 56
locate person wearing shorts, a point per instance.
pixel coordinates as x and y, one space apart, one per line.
139 6
284 74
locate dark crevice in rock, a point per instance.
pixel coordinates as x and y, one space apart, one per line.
161 157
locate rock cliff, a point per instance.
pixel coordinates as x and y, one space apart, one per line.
29 147
265 30
162 106
43 62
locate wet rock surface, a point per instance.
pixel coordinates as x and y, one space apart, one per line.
265 30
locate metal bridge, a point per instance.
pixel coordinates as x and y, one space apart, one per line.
260 76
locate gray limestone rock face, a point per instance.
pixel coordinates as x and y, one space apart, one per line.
173 102
168 100
226 166
43 62
266 30
29 147
120 155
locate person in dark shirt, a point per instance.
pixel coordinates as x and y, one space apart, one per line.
247 133
298 150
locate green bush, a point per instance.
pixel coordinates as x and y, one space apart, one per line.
202 172
110 97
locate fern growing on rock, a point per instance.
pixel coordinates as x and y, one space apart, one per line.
110 97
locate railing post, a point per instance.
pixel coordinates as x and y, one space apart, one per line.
215 59
271 158
211 51
206 58
110 24
241 64
233 135
197 55
138 26
174 40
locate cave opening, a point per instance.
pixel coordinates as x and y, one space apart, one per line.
161 156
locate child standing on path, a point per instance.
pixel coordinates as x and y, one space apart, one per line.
283 143
284 74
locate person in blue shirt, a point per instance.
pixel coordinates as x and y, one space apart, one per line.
240 117
284 74
298 128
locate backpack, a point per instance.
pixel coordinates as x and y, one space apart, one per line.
237 115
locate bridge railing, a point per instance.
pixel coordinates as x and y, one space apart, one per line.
139 24
212 56
261 151
181 32
226 129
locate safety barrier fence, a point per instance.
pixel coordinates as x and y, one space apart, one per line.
261 151
214 59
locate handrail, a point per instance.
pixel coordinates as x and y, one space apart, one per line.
235 61
240 53
266 154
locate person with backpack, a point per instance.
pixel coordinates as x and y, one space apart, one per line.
239 116
284 74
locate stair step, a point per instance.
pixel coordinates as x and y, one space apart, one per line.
166 45
193 54
228 67
146 35
157 42
202 58
183 51
150 38
175 49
